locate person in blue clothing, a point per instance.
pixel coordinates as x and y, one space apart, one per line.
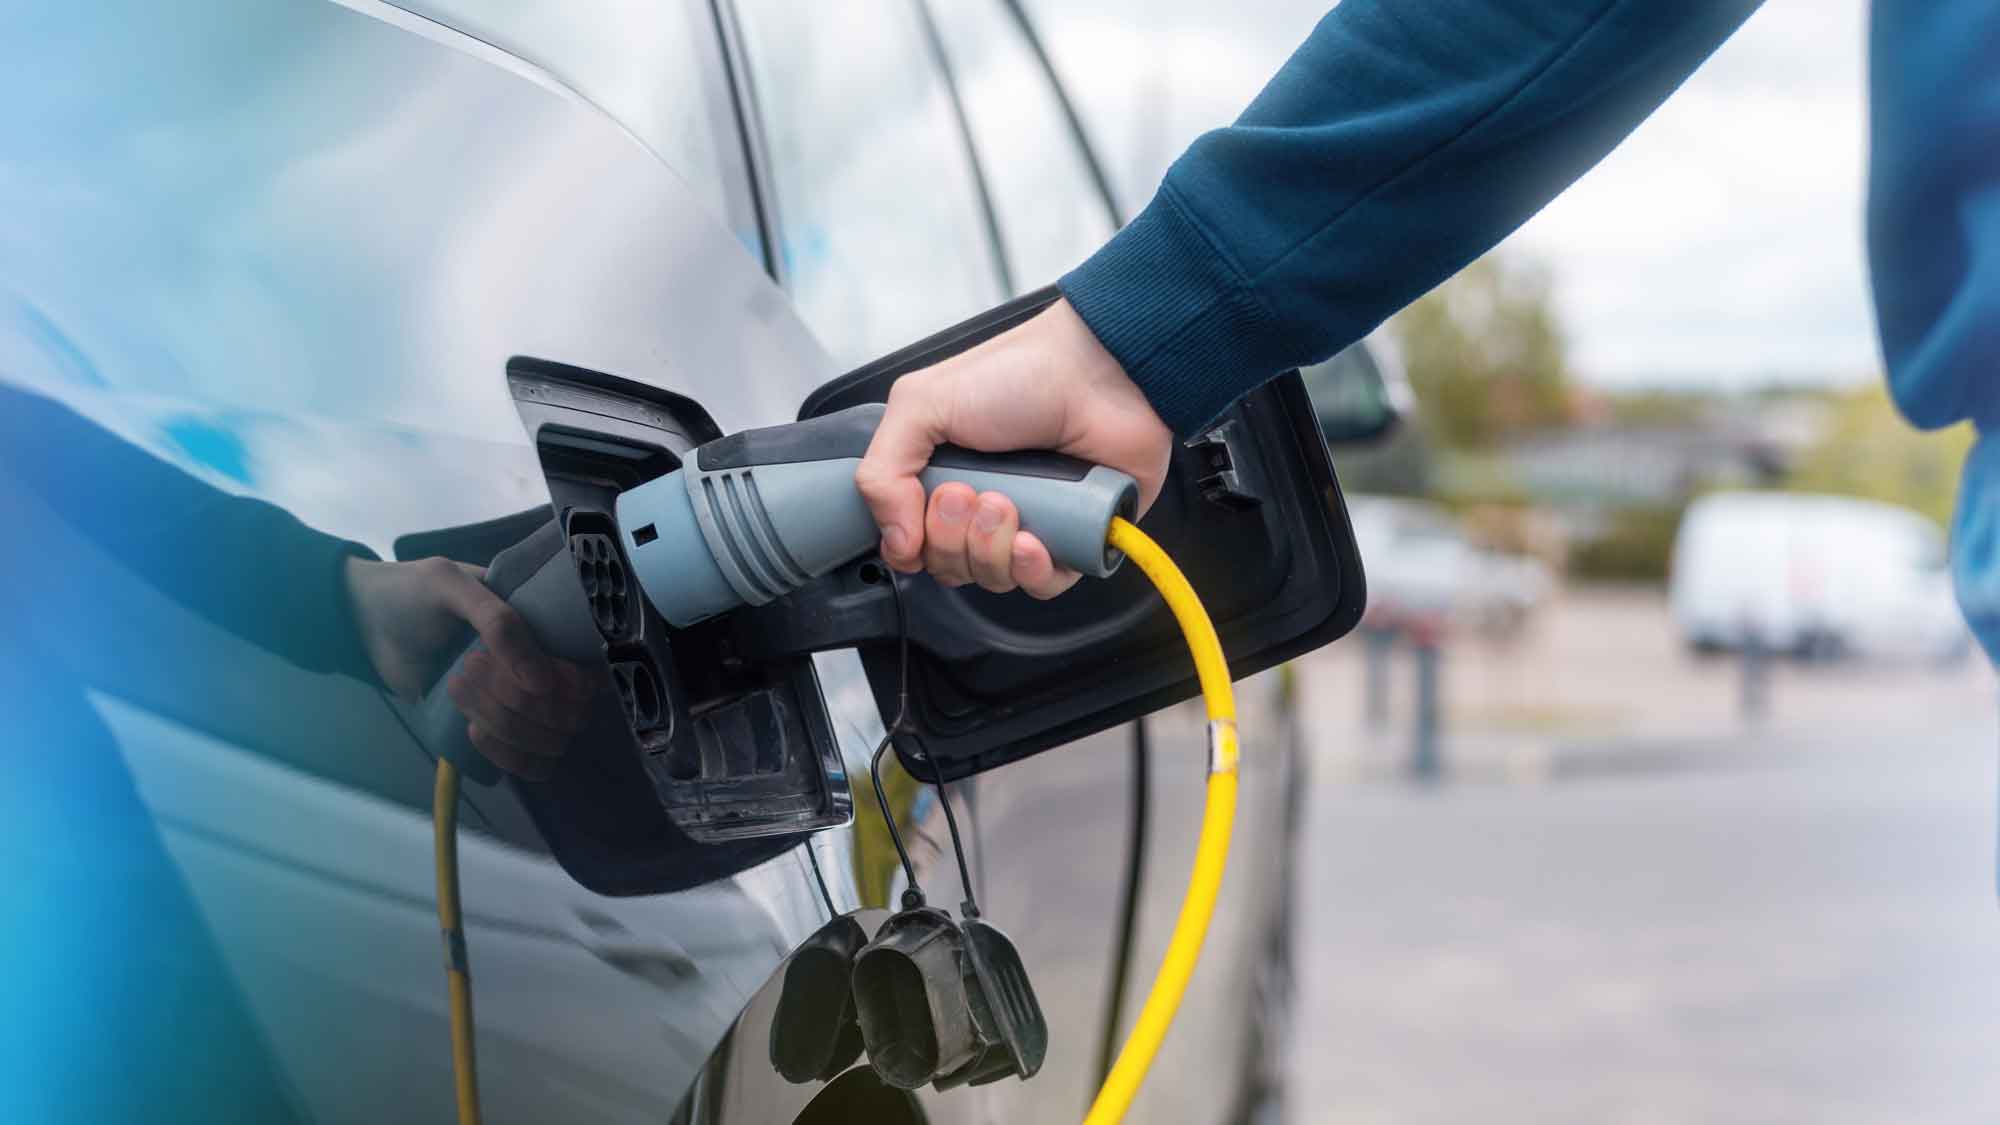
1404 139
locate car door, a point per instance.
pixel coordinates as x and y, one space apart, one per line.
829 91
286 253
1127 796
334 269
895 180
1073 921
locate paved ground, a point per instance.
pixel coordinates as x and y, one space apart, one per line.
1789 924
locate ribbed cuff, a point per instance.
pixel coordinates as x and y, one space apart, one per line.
1174 312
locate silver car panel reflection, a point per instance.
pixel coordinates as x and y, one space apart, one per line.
289 248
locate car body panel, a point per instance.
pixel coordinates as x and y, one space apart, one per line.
289 249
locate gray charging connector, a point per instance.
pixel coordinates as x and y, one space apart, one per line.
753 516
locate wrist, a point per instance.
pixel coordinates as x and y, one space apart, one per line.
1185 326
1069 337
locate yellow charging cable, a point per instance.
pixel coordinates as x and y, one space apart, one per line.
1183 949
1211 851
458 973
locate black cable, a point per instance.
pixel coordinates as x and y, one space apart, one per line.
820 878
970 908
913 896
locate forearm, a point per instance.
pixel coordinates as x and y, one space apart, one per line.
1402 140
243 564
1934 205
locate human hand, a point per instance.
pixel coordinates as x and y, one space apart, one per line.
521 705
1044 384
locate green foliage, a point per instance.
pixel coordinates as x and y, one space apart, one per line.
1635 547
1401 464
1868 450
1485 355
1660 408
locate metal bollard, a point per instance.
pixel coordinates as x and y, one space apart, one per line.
1426 759
1378 645
1754 695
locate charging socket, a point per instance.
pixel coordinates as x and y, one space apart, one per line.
734 749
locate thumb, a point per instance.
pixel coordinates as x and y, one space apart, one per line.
887 477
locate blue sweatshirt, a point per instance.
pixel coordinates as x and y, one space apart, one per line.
1405 138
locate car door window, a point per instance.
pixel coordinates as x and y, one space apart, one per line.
1051 215
882 235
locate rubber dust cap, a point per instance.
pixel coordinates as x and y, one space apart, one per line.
910 995
814 1035
1006 1014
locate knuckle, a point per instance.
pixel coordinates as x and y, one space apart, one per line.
994 585
510 694
490 744
491 619
508 630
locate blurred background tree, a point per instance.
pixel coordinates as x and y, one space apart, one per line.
1867 449
1485 355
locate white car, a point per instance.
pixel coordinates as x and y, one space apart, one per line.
1815 575
1421 565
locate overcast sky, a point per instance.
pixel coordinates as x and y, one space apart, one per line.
1720 246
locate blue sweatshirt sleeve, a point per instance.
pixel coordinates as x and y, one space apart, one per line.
1934 205
1934 249
1401 141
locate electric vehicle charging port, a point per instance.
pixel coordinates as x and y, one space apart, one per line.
733 749
618 611
639 693
606 582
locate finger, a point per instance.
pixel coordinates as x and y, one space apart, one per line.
545 708
990 543
579 684
504 631
910 430
508 757
1036 572
471 692
945 527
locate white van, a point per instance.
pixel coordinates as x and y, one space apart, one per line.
1814 575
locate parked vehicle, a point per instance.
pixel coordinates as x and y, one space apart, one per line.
1813 575
1361 393
1420 565
426 275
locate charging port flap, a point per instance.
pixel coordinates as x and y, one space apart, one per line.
710 765
1251 511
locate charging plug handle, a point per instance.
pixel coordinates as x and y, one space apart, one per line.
534 575
753 516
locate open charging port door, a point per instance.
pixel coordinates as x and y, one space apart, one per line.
1251 511
705 765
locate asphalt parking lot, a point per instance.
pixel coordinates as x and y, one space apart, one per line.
1705 921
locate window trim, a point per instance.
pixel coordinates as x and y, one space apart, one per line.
941 59
750 134
758 154
1098 176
